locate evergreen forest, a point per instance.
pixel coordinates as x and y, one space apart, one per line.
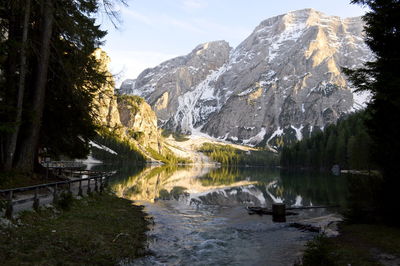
346 144
49 77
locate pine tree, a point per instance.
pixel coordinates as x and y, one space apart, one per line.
330 148
352 152
382 79
48 78
340 152
346 143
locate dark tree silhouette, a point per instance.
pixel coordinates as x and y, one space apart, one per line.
382 78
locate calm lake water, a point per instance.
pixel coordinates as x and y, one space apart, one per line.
200 217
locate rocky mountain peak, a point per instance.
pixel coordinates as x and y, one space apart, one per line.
210 47
284 79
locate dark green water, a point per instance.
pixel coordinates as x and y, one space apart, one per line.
200 216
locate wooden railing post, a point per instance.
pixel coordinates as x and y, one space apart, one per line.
88 187
9 208
105 181
95 184
80 192
101 184
55 195
36 200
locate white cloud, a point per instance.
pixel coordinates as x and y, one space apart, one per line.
160 20
234 34
193 4
129 64
138 16
181 24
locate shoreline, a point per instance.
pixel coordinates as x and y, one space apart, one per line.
356 244
98 229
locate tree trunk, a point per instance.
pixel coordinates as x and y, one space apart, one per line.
11 33
21 89
29 145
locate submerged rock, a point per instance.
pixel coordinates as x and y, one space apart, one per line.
327 224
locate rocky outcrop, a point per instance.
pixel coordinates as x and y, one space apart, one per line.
130 117
284 79
126 87
139 122
106 101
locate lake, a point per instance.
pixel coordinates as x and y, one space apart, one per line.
200 217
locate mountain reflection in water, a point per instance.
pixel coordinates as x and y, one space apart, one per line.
199 215
266 185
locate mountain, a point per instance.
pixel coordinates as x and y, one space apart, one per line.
280 83
169 87
129 117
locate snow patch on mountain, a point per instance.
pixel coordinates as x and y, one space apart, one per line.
285 75
101 147
189 111
256 139
361 99
298 130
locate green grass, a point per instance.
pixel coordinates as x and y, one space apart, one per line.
168 157
176 135
98 230
228 155
358 244
127 151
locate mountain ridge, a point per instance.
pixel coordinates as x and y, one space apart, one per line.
284 79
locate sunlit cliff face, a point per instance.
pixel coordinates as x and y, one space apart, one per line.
283 79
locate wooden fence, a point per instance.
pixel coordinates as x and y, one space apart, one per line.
100 180
62 164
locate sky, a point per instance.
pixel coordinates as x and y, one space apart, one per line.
153 31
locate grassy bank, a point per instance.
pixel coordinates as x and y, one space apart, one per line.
228 155
177 136
357 244
167 157
126 151
97 230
